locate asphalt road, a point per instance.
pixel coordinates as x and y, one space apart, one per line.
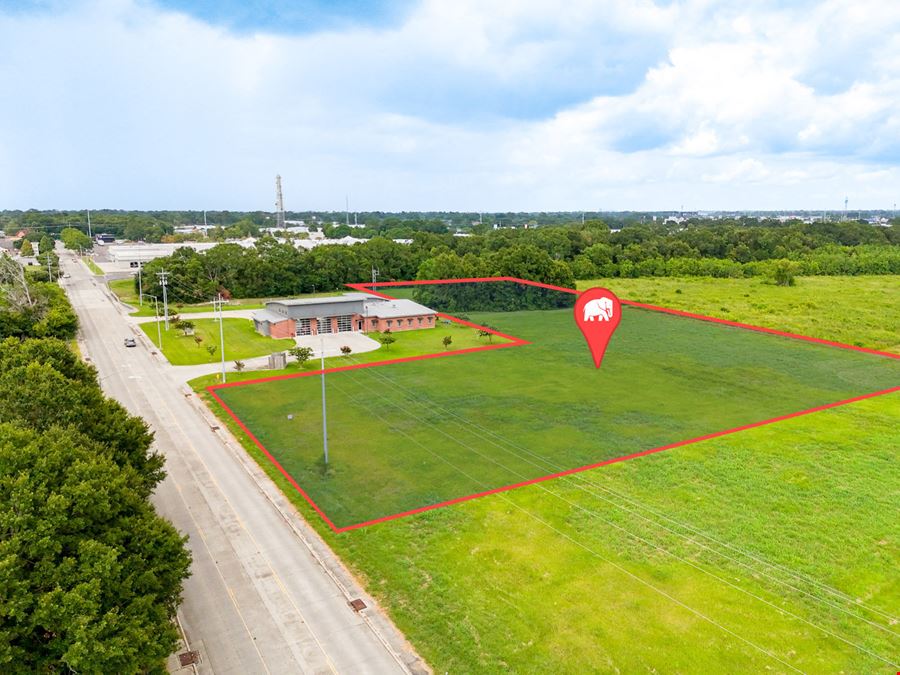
266 595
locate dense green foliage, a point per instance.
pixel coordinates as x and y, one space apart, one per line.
90 575
38 390
31 308
637 246
74 239
555 255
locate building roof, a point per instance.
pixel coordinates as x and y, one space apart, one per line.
390 309
346 297
267 315
373 306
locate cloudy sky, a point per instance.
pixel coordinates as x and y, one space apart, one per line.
450 104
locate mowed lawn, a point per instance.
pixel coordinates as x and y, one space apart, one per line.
408 435
408 343
774 549
241 341
861 311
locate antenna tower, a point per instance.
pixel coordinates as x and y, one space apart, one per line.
279 204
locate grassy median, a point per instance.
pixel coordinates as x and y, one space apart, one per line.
241 342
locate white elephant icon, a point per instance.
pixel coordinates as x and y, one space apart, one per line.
600 309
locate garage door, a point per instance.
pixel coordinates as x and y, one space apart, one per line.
345 324
303 327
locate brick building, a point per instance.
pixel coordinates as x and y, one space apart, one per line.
351 312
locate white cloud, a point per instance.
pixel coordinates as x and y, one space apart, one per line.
466 104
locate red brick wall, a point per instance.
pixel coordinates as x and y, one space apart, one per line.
282 329
403 323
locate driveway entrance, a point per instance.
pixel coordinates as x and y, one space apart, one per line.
358 342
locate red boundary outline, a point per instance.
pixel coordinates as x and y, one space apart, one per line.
517 342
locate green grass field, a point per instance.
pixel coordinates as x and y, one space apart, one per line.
241 342
816 306
124 290
92 266
409 343
412 434
774 549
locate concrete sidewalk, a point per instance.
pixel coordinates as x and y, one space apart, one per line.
358 342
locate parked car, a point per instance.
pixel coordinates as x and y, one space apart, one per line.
130 342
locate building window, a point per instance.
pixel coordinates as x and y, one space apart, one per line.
409 322
390 322
420 320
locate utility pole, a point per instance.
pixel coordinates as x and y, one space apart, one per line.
163 280
324 413
156 311
49 271
140 283
221 337
89 224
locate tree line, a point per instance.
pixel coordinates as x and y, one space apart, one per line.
554 255
90 575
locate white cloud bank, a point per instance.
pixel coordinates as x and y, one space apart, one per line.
465 105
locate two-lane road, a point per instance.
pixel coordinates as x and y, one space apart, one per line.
266 595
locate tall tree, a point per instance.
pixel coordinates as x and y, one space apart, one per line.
90 576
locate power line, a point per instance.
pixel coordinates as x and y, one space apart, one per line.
581 479
635 536
631 574
163 280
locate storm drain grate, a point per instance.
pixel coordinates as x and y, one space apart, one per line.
189 658
357 605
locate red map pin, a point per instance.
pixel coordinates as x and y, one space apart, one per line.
597 313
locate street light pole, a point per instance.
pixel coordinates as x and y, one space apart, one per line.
222 337
324 414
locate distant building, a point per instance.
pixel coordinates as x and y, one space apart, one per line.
348 313
126 254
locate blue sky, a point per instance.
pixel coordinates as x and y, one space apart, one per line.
440 104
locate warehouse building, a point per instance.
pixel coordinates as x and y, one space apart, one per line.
351 312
